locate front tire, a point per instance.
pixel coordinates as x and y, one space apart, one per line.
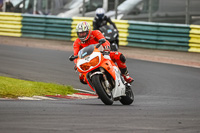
104 94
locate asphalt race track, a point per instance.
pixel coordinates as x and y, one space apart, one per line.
167 98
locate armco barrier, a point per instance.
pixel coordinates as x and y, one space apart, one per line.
194 42
48 27
158 36
36 26
131 33
10 24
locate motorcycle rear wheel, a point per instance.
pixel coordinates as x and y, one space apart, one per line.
104 94
129 98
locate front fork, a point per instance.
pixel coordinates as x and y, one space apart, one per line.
105 78
101 72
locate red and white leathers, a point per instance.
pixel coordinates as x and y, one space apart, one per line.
115 56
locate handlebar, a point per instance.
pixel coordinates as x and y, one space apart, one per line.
72 57
101 41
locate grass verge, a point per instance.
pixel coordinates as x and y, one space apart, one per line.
13 88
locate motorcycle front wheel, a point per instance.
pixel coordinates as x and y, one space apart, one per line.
104 94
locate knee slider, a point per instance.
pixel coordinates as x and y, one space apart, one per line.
122 58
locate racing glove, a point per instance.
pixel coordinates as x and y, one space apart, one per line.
106 50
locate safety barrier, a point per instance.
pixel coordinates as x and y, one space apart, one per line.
49 27
194 42
131 33
36 26
10 24
158 36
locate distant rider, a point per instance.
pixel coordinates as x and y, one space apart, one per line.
86 37
101 20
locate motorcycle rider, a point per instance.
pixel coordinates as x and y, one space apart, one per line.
101 20
86 37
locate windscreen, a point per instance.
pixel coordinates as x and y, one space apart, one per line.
86 51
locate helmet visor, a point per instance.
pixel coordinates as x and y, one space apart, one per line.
82 35
100 16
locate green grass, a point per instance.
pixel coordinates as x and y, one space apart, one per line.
13 88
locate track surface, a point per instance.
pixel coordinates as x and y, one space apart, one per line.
166 97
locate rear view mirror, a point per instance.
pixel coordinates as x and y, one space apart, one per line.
72 57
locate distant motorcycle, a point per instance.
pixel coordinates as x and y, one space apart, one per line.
111 34
103 76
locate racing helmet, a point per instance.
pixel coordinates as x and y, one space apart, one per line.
83 31
100 13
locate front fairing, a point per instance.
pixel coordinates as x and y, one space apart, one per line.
89 53
86 56
87 60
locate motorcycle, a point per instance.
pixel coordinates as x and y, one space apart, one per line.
102 75
111 34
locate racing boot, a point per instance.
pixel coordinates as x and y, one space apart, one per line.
126 76
82 78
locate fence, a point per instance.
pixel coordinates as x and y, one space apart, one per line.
10 24
159 36
47 27
131 33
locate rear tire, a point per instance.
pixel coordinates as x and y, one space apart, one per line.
129 98
105 95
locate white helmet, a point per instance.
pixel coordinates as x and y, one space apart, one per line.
100 13
83 31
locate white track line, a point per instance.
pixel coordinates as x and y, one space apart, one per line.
90 92
36 98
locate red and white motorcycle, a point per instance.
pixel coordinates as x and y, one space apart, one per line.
103 76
